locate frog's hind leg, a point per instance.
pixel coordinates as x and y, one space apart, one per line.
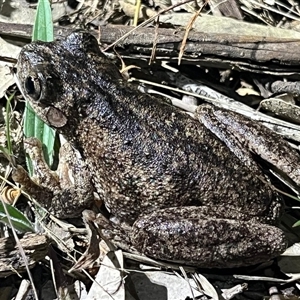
190 236
243 136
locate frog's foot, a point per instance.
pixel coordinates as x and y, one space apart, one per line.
243 136
30 186
43 175
115 233
65 193
188 235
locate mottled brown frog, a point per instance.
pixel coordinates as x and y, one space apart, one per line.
185 196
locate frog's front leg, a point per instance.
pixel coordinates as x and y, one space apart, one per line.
195 236
64 193
242 136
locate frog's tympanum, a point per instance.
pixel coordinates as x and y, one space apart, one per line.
182 193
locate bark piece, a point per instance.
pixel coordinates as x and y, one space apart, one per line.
35 247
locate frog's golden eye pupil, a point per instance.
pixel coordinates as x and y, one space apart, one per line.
33 87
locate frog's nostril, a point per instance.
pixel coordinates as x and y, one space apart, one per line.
32 87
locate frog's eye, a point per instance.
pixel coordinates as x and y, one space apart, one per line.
33 86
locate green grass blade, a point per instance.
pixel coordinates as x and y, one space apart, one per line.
9 146
18 220
33 126
43 25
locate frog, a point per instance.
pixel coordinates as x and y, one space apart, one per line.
178 187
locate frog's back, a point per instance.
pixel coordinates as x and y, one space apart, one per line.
147 154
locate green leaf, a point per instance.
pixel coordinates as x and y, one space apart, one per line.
5 151
7 154
34 126
296 224
18 220
9 146
43 25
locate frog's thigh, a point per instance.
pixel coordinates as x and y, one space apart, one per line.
189 236
242 135
209 116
